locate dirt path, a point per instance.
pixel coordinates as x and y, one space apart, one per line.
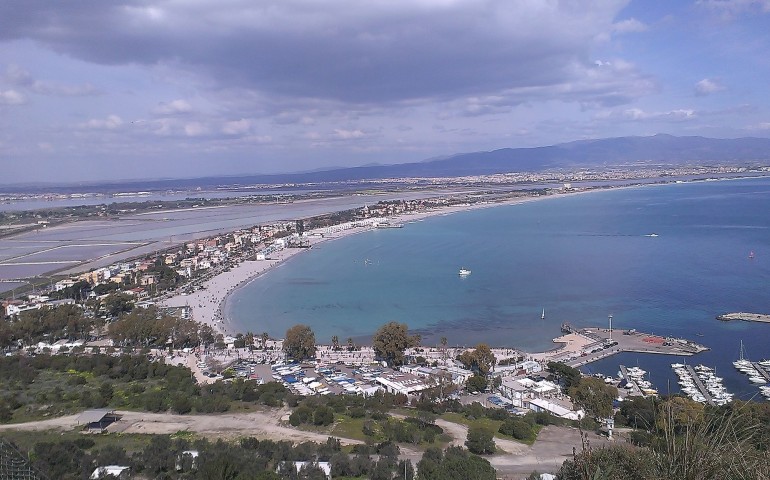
265 424
552 447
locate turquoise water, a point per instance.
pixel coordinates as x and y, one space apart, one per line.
579 257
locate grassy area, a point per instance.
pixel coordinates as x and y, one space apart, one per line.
489 424
347 427
26 440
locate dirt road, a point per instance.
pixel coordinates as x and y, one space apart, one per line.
552 447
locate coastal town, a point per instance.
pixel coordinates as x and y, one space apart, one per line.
184 287
193 280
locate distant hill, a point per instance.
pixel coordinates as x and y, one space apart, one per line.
657 149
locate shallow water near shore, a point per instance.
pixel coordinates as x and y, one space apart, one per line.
580 258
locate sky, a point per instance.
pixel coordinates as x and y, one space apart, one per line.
137 89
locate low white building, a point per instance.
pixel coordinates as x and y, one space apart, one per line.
110 471
543 405
404 384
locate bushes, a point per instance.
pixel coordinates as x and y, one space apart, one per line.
518 428
320 416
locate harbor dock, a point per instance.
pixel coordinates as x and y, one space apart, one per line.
635 390
763 371
699 385
580 346
745 317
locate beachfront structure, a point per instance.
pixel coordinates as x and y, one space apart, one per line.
543 405
405 384
520 390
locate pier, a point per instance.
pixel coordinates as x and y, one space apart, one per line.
635 391
699 385
581 346
762 370
746 317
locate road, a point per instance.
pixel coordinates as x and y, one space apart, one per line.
553 445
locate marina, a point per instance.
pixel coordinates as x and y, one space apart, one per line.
634 377
701 384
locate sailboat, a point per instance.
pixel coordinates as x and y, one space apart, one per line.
742 363
542 317
751 254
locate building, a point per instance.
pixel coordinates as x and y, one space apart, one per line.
111 471
401 383
543 405
97 420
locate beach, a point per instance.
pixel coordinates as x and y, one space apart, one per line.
208 303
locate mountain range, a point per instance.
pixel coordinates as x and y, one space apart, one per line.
658 149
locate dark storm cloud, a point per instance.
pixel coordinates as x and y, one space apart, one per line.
353 51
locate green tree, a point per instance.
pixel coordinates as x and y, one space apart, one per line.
118 303
480 440
335 343
476 383
391 341
453 464
481 359
567 376
300 342
594 396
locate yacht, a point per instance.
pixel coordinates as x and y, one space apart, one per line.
464 272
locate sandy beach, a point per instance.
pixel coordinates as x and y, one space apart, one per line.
208 304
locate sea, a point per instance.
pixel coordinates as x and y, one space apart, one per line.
663 259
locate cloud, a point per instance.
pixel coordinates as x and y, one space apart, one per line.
348 134
112 122
237 127
174 107
630 25
195 129
640 115
343 50
707 87
21 78
11 97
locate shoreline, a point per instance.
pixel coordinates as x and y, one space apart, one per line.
209 305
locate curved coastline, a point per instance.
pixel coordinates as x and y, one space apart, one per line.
210 305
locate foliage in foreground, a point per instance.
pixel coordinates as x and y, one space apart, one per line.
686 441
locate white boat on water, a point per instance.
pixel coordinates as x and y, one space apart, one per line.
464 272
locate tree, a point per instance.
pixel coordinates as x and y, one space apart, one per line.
453 464
481 360
480 440
300 342
566 375
594 396
390 342
476 383
118 303
335 343
264 338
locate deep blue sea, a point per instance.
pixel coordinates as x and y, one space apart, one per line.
579 257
